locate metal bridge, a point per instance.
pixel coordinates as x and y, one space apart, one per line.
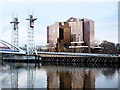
7 48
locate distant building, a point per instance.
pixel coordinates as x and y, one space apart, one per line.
58 34
76 29
64 33
52 35
82 34
81 38
64 39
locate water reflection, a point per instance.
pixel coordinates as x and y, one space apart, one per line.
109 73
71 79
30 75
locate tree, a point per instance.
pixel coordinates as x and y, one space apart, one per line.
118 48
108 47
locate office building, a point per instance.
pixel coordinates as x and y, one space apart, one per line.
58 35
52 35
81 35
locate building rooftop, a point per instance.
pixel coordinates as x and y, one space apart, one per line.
72 19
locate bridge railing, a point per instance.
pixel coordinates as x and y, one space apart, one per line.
75 54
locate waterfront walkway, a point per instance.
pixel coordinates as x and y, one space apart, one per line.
67 54
64 57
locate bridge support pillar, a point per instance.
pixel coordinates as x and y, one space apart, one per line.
0 58
1 61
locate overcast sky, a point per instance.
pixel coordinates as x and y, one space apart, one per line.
103 12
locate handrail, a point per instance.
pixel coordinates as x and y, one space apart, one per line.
74 54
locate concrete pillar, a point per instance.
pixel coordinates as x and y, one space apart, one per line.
119 79
0 61
0 57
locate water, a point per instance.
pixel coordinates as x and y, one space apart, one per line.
30 75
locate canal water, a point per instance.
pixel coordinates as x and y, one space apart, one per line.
48 75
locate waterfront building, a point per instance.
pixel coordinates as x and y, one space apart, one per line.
64 38
58 35
52 35
81 35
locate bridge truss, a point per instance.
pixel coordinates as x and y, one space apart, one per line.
8 48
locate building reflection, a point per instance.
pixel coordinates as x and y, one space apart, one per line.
71 79
52 79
